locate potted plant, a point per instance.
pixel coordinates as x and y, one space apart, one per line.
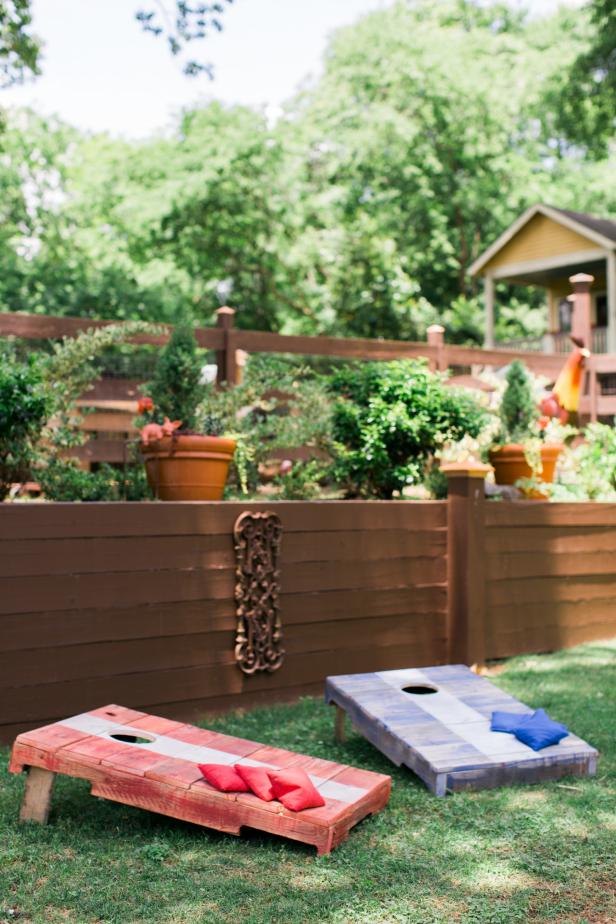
183 463
521 451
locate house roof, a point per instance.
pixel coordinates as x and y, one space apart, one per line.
601 231
603 226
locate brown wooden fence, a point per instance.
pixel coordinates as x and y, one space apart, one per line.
550 575
134 603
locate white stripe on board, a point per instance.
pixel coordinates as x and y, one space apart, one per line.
197 754
457 717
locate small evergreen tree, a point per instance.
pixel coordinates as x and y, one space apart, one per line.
518 410
176 388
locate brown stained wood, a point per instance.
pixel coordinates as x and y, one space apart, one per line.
60 520
36 801
364 545
540 513
100 450
26 557
50 327
109 658
76 627
553 539
76 591
534 564
28 704
23 557
549 590
43 701
550 636
548 364
349 347
466 608
373 575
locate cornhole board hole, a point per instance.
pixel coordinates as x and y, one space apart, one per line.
436 721
151 762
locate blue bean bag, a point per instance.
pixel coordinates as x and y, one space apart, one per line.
537 731
507 721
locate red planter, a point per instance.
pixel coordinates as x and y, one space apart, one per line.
188 467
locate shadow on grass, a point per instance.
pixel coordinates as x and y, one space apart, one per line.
541 853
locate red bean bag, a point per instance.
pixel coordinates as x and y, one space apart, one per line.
223 778
294 789
257 780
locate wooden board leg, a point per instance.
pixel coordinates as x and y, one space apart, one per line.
37 795
339 730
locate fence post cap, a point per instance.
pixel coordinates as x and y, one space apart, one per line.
225 316
436 329
470 468
582 280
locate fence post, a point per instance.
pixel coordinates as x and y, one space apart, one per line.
436 338
225 358
581 325
465 562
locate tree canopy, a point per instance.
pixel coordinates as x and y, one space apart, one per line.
359 212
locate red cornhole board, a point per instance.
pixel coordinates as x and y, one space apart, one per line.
151 762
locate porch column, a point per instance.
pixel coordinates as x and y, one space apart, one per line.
611 301
488 298
581 325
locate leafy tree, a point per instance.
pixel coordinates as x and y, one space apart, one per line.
19 48
585 107
188 22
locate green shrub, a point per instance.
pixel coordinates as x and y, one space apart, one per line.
302 480
176 387
388 421
278 405
518 411
25 405
589 470
63 480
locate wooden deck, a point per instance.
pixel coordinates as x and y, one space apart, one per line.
440 729
151 763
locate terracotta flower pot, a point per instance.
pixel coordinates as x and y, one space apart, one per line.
509 463
188 467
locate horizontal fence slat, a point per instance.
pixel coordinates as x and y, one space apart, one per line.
52 327
549 563
207 649
550 590
136 588
22 557
552 539
346 347
75 627
29 704
39 521
539 513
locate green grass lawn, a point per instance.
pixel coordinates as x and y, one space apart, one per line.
534 853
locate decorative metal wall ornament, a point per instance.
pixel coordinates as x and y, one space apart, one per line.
258 640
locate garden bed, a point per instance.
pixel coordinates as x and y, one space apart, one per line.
514 855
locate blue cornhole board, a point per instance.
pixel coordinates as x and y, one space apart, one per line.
442 730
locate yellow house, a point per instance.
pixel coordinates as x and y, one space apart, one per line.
544 247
